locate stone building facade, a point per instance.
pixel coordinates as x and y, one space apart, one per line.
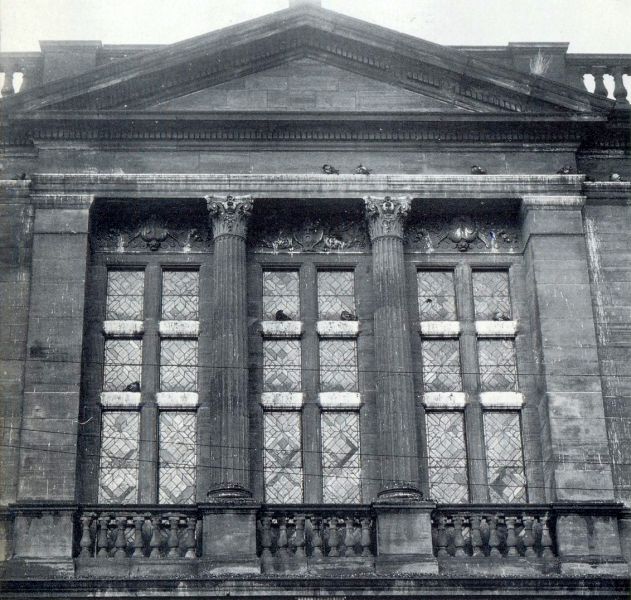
306 306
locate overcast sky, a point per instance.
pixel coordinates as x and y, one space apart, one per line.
589 25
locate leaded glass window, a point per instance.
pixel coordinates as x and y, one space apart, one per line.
491 296
504 458
436 295
177 431
441 365
281 365
336 295
281 292
283 457
498 370
338 365
341 470
118 468
447 457
178 365
180 295
122 368
125 293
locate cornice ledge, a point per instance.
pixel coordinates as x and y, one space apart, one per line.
550 202
62 200
607 192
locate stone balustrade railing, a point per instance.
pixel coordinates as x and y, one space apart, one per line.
125 532
493 532
599 65
12 64
315 537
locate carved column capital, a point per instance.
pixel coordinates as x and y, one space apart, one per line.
386 215
229 214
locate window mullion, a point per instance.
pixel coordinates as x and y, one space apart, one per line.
470 382
148 450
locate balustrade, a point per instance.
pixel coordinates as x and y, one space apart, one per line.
499 532
599 65
13 64
120 533
312 537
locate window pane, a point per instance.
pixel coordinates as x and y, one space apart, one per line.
178 365
281 292
281 366
125 295
340 457
118 469
122 369
177 457
498 371
447 457
336 294
180 295
491 296
436 296
504 459
283 458
338 366
441 365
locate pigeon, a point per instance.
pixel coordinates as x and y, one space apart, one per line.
500 316
589 178
361 170
475 170
281 316
615 177
565 170
133 387
330 170
347 316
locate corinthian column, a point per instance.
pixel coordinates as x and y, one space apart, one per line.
394 386
230 475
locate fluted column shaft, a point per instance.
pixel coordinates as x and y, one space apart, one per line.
229 383
393 351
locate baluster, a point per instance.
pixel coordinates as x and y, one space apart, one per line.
619 91
599 74
441 538
349 540
528 537
333 537
511 538
546 539
494 539
156 538
299 537
365 537
476 536
458 537
267 561
316 539
86 538
139 521
121 541
7 86
189 538
282 552
342 537
102 538
173 541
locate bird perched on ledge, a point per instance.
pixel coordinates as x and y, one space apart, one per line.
330 170
615 177
475 170
565 170
347 316
361 170
133 387
281 316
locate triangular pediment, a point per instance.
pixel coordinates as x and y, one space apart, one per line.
306 84
367 68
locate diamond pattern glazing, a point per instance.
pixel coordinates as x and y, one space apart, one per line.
283 457
178 365
281 292
122 366
504 458
491 296
436 296
180 295
338 366
336 293
441 365
447 457
125 291
118 468
498 370
177 457
341 469
281 365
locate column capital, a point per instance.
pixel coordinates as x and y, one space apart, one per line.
386 215
229 214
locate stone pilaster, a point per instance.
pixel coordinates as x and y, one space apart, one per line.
394 383
229 387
